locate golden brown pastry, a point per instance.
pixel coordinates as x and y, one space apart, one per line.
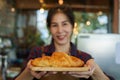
58 59
42 61
76 61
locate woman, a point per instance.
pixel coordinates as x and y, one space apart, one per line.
60 22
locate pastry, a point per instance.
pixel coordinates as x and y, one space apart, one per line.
57 59
41 62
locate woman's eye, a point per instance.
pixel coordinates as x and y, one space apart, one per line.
64 23
53 25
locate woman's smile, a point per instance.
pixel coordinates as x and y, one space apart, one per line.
61 29
61 37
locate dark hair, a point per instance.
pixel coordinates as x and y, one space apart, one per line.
65 9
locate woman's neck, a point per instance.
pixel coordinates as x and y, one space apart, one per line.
62 48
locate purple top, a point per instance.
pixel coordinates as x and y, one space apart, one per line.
49 49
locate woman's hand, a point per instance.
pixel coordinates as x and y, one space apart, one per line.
36 74
86 74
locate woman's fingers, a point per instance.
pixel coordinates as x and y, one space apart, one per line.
81 76
29 64
50 73
38 75
92 70
86 74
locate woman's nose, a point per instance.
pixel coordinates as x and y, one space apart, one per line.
60 29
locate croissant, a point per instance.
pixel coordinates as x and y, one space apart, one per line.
42 61
57 59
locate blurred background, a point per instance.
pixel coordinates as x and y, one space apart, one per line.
23 26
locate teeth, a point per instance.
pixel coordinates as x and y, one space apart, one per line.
60 36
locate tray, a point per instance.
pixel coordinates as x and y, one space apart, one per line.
60 68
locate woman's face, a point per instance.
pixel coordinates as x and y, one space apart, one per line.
61 29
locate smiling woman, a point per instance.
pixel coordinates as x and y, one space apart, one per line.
24 16
60 21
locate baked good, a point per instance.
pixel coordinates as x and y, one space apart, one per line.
58 59
76 62
41 62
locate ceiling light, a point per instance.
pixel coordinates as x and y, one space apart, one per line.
42 10
60 2
12 9
41 1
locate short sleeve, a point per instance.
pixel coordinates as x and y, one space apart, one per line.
84 56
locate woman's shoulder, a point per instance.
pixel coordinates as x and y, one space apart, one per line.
36 51
84 55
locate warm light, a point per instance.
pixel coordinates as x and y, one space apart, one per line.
41 1
88 23
60 2
75 30
41 10
75 24
12 9
42 5
99 13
